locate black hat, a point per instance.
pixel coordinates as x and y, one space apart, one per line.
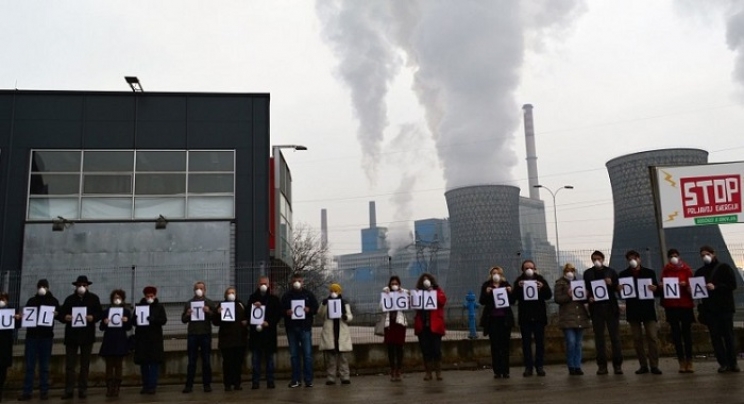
42 283
82 279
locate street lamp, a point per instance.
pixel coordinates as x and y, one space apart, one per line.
555 217
276 154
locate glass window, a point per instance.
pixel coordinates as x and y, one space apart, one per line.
211 161
160 184
161 161
106 208
108 161
210 183
152 208
56 161
51 208
107 184
50 184
211 207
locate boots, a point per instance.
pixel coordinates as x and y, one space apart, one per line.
427 367
398 376
438 369
682 366
688 367
392 374
117 386
109 387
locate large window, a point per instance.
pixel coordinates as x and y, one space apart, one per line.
131 184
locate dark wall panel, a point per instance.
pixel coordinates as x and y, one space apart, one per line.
160 135
47 134
219 108
49 106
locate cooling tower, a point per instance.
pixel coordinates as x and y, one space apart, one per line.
484 231
635 217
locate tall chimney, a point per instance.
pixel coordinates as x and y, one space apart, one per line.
529 137
323 228
372 215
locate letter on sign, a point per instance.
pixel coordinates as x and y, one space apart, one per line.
30 315
627 288
46 316
430 300
530 290
258 314
78 317
7 319
417 299
500 298
143 315
671 288
387 302
644 293
578 290
197 311
699 291
400 300
335 309
114 317
298 309
599 290
228 311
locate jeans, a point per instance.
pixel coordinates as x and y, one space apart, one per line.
195 344
499 333
721 328
652 340
37 349
574 338
301 339
529 330
604 316
256 359
71 356
149 373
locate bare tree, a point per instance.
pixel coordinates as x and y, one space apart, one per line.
310 259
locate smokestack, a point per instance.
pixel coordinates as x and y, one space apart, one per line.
323 228
529 138
372 215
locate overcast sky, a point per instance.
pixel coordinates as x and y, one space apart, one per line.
399 102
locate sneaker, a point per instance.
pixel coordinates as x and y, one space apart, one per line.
345 381
723 369
642 370
618 370
187 390
293 384
540 372
505 375
330 383
527 373
602 370
656 371
310 384
578 372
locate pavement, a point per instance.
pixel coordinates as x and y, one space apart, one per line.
471 386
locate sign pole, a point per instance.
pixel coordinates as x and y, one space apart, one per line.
653 172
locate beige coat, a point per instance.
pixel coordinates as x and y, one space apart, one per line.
344 335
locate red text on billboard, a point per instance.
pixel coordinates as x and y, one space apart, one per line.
711 195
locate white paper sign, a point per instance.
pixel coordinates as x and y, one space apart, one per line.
46 316
30 316
672 290
78 317
417 299
298 309
529 289
500 298
697 284
627 288
644 293
114 317
227 313
335 309
430 300
599 290
258 314
7 319
578 290
197 311
387 302
400 300
143 315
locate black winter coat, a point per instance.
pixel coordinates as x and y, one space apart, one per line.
38 301
6 348
81 335
148 339
593 274
486 300
310 302
115 338
532 311
232 334
640 310
720 299
265 340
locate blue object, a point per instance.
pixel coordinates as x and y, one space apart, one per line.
472 307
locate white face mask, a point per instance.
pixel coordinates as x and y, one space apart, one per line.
117 302
394 288
150 300
231 297
297 285
3 303
496 278
597 264
707 259
81 290
199 292
334 295
633 263
427 283
674 260
570 276
529 272
263 288
42 291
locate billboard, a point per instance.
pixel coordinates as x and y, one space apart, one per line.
699 195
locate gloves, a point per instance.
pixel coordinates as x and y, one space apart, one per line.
386 289
325 302
343 317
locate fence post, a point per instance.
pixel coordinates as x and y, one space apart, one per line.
5 282
134 280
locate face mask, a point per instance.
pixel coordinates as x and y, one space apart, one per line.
297 285
633 263
529 272
263 288
42 291
496 278
81 290
674 260
570 276
150 300
199 292
231 297
394 288
427 283
597 264
117 301
334 295
707 259
3 303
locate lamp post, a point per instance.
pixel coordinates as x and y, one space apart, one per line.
276 154
555 217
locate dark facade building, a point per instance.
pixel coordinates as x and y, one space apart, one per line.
97 182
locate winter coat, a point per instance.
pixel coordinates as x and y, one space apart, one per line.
335 334
199 327
682 272
532 311
310 301
81 335
720 299
38 301
489 306
571 313
639 310
148 339
115 338
232 334
6 347
593 274
265 340
435 317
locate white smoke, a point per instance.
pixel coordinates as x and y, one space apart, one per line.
735 38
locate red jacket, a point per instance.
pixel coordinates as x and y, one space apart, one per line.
436 317
684 273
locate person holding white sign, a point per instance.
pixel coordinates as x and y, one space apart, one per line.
429 327
6 339
718 309
335 338
263 336
148 340
531 291
115 325
604 312
79 340
298 321
497 320
640 311
679 312
231 340
199 337
395 324
573 318
38 343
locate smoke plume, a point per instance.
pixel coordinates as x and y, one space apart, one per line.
735 38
